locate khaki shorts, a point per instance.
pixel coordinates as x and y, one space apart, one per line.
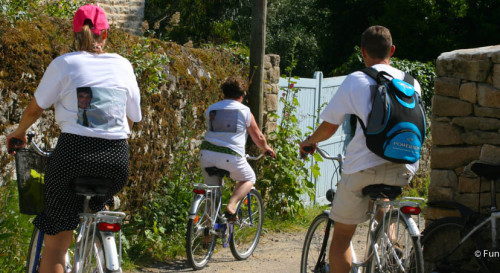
349 205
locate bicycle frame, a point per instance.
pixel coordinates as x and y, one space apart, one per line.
492 219
413 227
214 194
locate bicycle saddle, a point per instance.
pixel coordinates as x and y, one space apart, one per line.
214 171
486 170
382 191
87 185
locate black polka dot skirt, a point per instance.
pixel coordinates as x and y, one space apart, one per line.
76 156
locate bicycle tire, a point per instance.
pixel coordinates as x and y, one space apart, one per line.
408 250
313 246
441 254
247 230
200 241
35 255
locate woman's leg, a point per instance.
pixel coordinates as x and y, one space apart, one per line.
54 252
240 190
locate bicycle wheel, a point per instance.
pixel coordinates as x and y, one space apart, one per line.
397 250
248 227
200 242
35 253
441 250
314 255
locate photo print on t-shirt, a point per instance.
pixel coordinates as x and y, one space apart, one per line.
100 107
223 121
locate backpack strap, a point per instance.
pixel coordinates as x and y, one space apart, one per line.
409 79
372 72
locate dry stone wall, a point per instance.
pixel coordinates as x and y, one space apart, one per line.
465 127
271 89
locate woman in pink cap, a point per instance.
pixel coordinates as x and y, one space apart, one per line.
96 100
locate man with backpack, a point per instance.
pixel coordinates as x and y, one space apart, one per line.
362 167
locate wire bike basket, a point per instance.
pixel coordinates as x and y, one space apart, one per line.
30 170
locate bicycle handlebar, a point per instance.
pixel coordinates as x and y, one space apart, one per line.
249 157
30 142
339 158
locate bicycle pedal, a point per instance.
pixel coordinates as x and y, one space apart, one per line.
221 220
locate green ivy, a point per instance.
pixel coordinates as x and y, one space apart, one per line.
15 10
149 65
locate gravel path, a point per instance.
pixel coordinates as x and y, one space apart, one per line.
277 252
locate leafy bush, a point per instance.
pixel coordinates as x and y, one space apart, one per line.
15 10
285 178
157 231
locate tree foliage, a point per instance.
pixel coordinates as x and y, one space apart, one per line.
325 31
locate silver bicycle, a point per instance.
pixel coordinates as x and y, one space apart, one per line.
392 245
94 248
207 222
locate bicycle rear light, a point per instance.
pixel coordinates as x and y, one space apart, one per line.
199 191
113 227
410 210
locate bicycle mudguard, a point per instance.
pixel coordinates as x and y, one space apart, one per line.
412 226
111 253
194 205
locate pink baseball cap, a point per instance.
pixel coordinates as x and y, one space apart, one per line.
95 14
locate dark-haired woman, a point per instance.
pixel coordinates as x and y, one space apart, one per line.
229 122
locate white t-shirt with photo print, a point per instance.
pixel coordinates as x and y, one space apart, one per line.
109 80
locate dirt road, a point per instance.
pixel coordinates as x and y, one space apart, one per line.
276 253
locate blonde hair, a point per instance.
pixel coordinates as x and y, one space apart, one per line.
86 40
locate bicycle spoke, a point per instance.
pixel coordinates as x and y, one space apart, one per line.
394 249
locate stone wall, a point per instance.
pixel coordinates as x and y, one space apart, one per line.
271 88
125 14
465 127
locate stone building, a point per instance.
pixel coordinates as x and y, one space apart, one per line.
465 127
126 14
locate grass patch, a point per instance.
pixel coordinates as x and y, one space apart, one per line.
15 229
298 223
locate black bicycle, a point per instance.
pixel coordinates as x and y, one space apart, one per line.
469 243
